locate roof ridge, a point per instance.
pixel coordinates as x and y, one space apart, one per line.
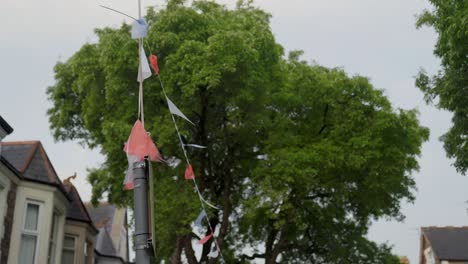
30 155
20 142
444 227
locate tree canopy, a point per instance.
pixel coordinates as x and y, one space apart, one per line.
448 89
299 157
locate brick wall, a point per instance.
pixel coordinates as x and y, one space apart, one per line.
8 223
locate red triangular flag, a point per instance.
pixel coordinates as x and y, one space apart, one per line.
189 175
154 63
153 151
137 141
140 144
205 239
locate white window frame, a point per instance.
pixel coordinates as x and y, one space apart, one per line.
32 232
75 239
53 238
87 253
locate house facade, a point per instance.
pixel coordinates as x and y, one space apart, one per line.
444 245
42 219
9 180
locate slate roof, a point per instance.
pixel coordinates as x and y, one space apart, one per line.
31 161
76 210
102 215
104 243
3 124
448 243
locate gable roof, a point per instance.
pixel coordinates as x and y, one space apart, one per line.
104 244
102 215
103 218
31 161
448 243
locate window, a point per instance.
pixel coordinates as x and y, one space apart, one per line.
53 239
29 234
88 251
68 253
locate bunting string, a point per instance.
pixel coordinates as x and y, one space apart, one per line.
200 196
141 113
140 143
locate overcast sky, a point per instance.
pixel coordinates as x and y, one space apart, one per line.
373 38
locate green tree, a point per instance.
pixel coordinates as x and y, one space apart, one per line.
300 157
448 89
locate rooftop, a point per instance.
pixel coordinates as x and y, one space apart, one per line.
448 243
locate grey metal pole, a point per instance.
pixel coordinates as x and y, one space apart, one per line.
140 201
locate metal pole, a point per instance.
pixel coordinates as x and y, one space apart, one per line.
140 200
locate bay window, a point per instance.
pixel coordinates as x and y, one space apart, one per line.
29 234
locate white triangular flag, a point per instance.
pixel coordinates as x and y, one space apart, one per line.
195 146
174 110
214 254
144 65
139 28
198 222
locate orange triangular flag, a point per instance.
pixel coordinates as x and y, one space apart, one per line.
154 63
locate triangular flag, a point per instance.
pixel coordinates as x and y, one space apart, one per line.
195 146
140 144
137 141
174 110
198 222
144 66
139 28
154 63
205 239
153 152
214 253
189 175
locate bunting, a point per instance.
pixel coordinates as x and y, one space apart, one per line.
154 63
214 253
206 239
139 145
198 221
175 110
195 146
145 68
139 29
189 175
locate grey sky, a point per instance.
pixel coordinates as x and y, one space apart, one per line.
367 37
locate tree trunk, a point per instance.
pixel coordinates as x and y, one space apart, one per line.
189 253
175 258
